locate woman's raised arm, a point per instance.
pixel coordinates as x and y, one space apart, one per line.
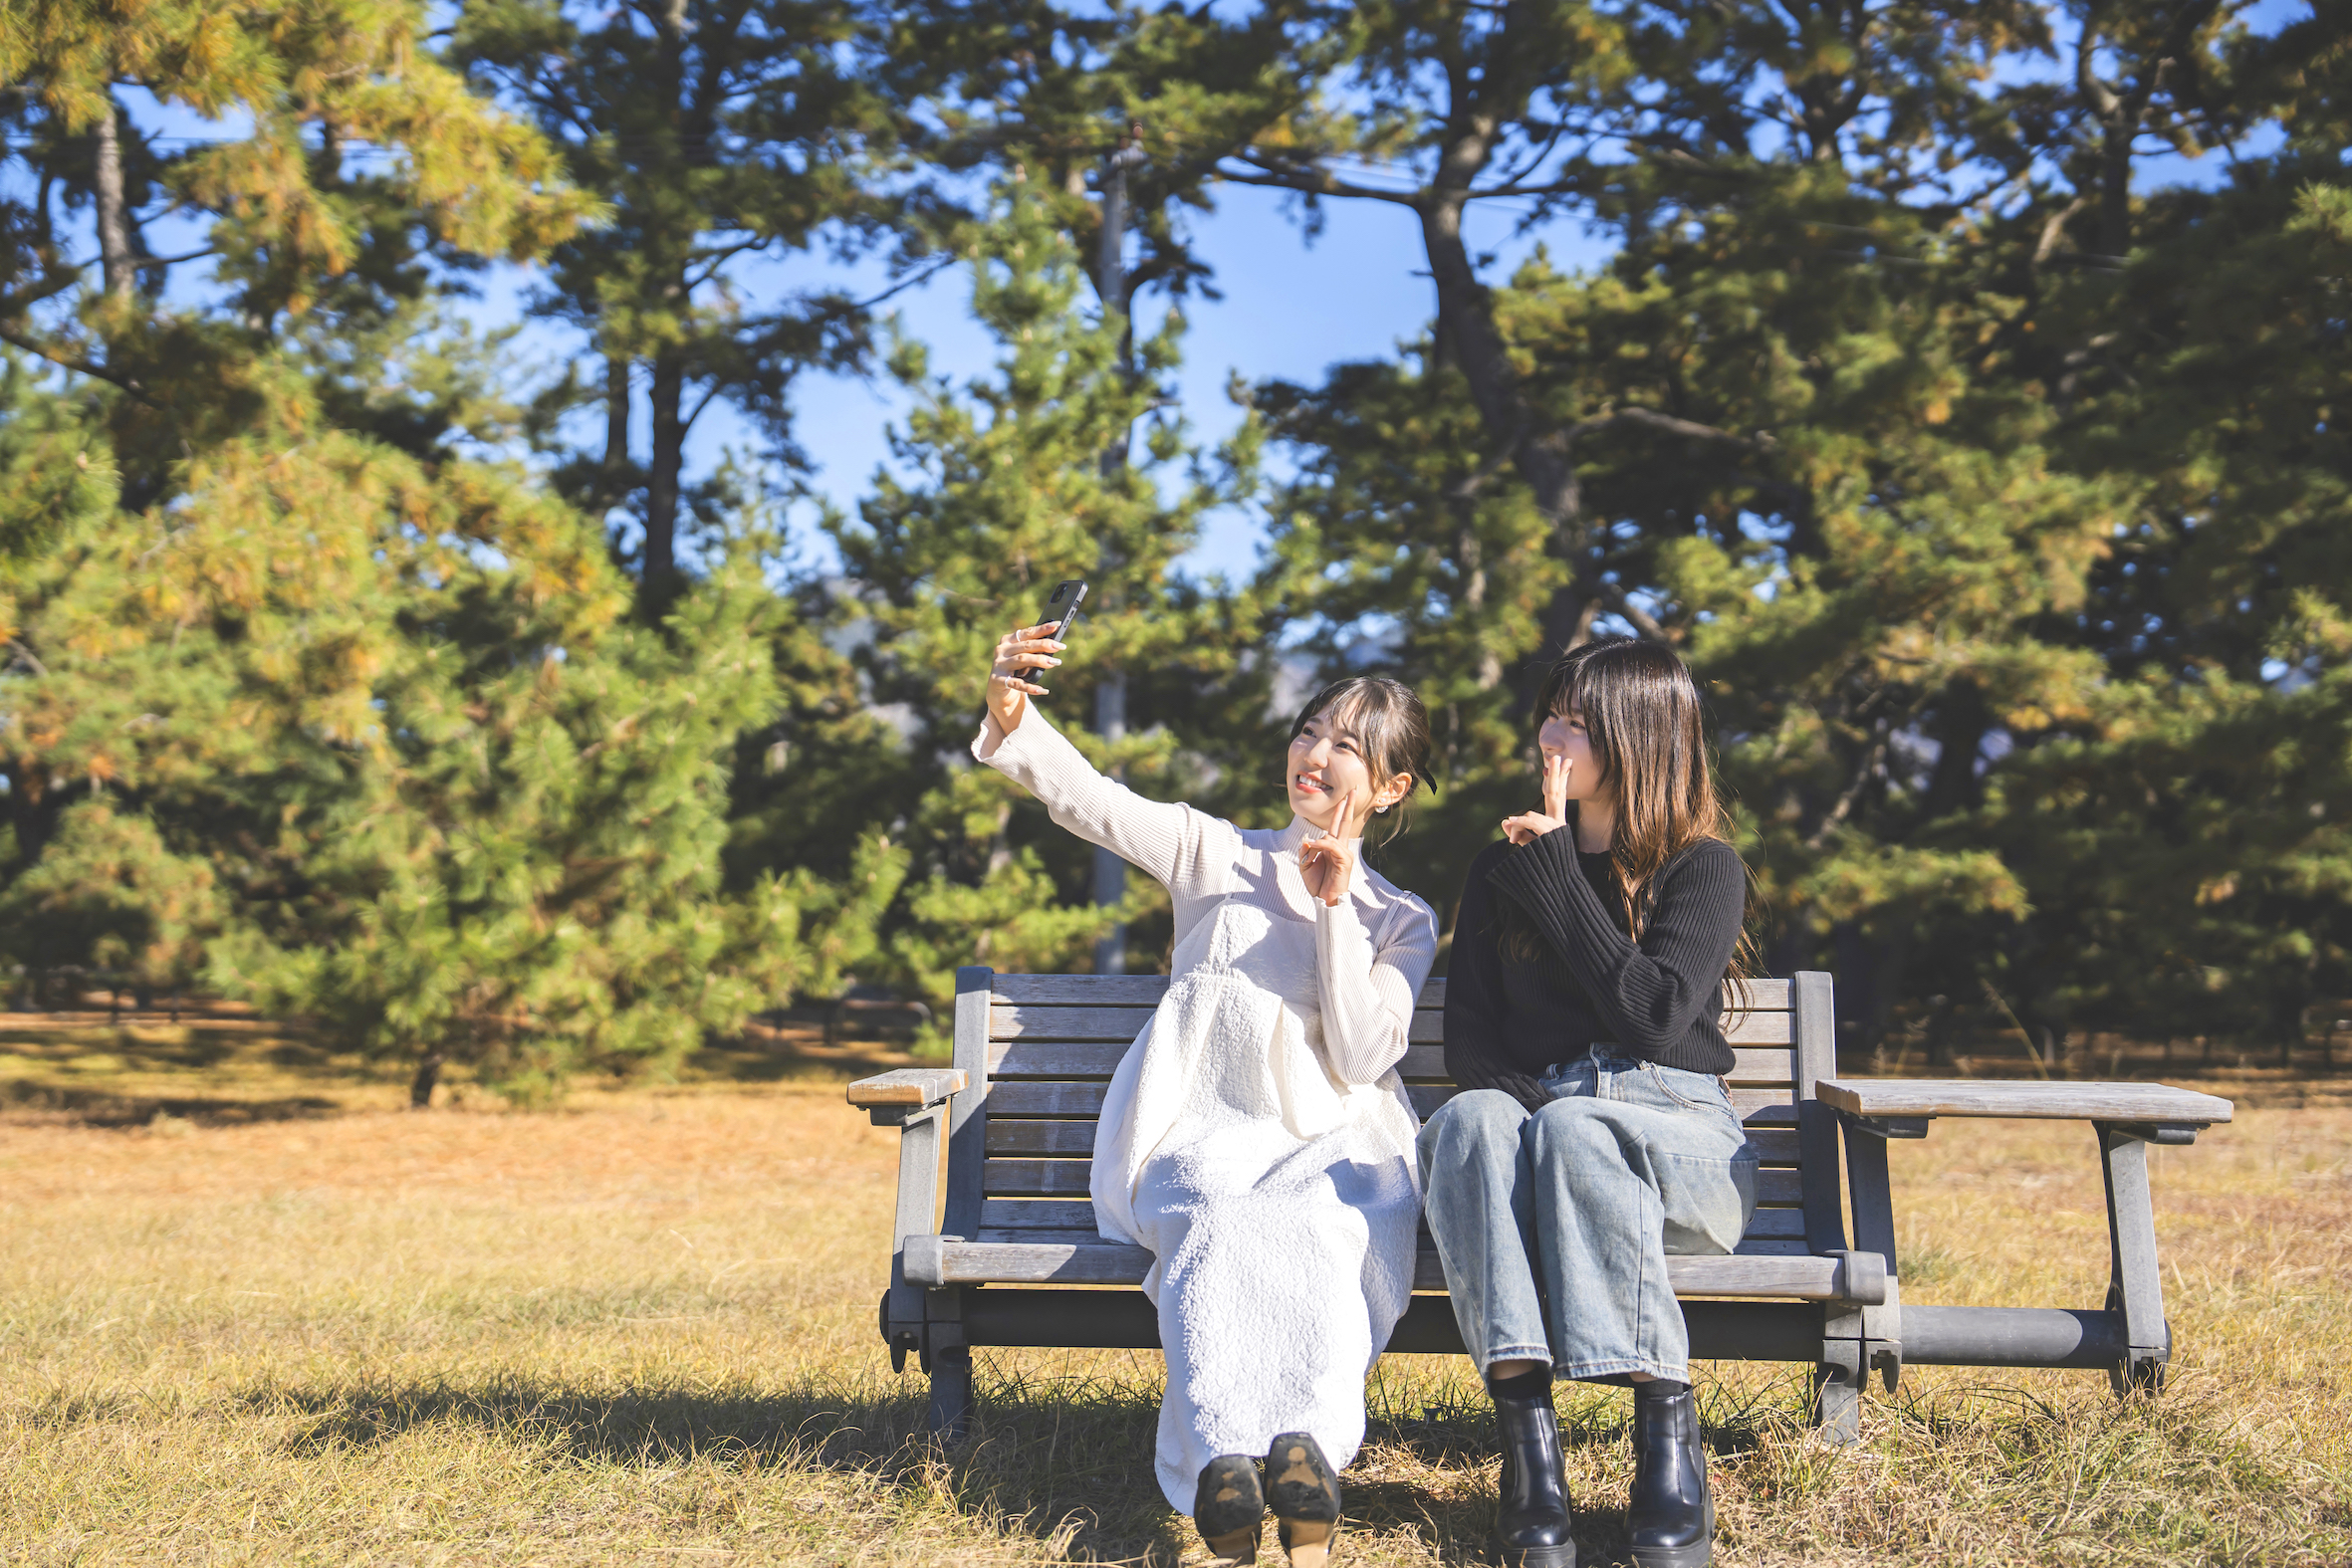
1188 851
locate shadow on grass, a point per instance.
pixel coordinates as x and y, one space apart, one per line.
1066 1467
1064 1460
104 1108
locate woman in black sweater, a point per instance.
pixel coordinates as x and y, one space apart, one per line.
1594 1134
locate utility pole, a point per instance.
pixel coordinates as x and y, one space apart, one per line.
1111 694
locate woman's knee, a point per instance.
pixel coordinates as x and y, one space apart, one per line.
1575 1134
1475 1119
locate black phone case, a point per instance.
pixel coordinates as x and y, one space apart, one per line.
1069 615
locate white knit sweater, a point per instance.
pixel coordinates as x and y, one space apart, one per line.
1256 1137
1372 952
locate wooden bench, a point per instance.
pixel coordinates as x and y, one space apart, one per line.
995 1245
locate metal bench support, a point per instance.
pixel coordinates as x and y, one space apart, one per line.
2135 1287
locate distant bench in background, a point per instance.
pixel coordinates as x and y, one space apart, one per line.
1004 1251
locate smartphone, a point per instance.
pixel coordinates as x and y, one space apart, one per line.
1063 608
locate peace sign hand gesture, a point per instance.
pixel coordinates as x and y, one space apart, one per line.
1529 826
1328 860
1019 653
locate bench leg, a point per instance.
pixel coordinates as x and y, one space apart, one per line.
2135 1287
950 1418
1837 1401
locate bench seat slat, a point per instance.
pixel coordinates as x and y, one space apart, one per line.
1003 1178
1027 1057
1092 1261
1145 991
1077 1138
1076 1214
1749 1246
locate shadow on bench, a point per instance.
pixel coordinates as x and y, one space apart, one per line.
1003 1250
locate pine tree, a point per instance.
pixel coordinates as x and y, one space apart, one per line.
1914 452
441 787
727 139
1008 495
294 226
305 704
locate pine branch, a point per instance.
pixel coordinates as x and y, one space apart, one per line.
1310 180
78 366
1668 424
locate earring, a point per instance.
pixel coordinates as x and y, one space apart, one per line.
1381 810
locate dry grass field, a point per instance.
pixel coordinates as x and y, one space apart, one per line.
286 1321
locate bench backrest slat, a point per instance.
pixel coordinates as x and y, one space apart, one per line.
1039 1054
1145 991
1042 1049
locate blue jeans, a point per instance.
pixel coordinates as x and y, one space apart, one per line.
1555 1227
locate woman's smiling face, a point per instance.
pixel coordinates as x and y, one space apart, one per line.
1326 765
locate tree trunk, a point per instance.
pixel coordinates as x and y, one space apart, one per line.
669 461
2053 1051
1961 722
428 1077
1466 324
1110 692
1470 555
113 228
1939 1026
615 483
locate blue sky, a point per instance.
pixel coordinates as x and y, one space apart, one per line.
1289 309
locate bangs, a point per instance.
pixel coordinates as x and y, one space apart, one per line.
1564 690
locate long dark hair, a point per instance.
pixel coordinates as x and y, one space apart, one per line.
1389 722
1648 728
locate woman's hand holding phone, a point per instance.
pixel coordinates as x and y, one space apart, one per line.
1328 860
1019 653
1529 826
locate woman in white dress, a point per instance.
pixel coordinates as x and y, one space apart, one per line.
1256 1137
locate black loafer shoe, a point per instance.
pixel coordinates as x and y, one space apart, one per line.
1228 1507
1303 1493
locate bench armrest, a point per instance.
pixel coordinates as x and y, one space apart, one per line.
888 1097
1903 1106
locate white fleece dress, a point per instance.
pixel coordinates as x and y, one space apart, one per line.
1255 1136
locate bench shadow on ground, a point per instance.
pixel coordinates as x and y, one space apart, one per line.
1067 1467
1054 1476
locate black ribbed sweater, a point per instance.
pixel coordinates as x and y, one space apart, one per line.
1508 1019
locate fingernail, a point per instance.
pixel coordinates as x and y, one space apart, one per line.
1054 664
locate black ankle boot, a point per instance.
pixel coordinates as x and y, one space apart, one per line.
1531 1519
1228 1507
1672 1517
